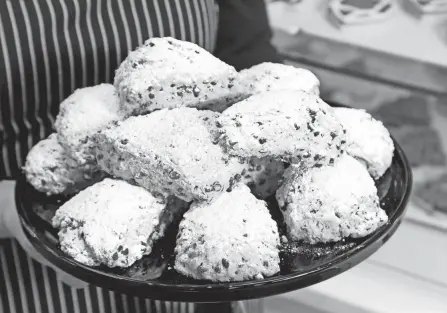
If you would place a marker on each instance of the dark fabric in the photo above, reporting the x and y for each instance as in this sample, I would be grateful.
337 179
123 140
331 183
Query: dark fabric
244 34
50 48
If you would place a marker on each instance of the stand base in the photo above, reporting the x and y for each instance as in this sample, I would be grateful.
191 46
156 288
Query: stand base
250 306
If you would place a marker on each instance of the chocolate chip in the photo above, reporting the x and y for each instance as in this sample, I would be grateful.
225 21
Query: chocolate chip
217 187
259 123
331 161
151 96
179 93
172 85
244 220
115 256
150 88
333 135
238 124
196 91
245 235
316 134
296 126
225 263
230 86
238 177
125 251
120 248
262 141
174 175
218 125
197 52
266 263
213 83
318 165
151 44
217 269
143 243
124 141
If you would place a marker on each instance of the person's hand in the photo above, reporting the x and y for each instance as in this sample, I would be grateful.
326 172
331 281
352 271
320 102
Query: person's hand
10 227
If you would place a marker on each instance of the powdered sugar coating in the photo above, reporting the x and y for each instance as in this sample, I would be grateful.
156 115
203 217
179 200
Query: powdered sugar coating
170 152
367 140
112 223
292 126
329 203
263 176
274 76
234 238
49 169
169 73
84 113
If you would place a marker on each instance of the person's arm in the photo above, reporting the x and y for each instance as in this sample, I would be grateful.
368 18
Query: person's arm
244 34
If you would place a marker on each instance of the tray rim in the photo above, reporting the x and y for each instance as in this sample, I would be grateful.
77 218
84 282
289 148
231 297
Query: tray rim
231 291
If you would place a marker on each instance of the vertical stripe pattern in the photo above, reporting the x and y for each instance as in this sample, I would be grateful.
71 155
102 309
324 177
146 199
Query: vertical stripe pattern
50 48
28 286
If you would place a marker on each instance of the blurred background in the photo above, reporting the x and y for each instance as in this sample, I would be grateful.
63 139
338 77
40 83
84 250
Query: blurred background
389 57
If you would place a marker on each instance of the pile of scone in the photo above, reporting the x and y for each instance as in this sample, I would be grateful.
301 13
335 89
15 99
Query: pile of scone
182 137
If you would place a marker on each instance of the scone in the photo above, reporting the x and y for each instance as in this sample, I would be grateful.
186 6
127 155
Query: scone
113 223
81 115
169 152
330 203
169 73
234 238
290 126
274 76
263 176
367 140
50 170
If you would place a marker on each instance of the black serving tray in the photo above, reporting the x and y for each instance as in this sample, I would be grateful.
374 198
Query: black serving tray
152 277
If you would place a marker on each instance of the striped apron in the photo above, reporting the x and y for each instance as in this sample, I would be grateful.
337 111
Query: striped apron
49 48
